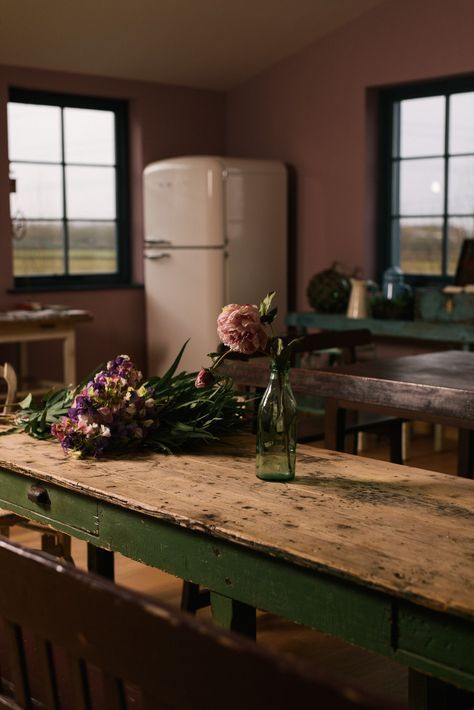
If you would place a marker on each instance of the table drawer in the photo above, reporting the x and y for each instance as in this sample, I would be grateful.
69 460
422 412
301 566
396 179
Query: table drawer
48 503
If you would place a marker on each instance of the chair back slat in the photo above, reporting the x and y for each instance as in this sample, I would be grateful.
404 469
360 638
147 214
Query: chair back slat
175 660
80 682
18 665
47 673
346 341
114 693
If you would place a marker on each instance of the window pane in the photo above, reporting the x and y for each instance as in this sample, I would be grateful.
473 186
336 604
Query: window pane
459 228
40 250
461 185
461 129
90 193
92 248
34 132
422 126
421 187
89 136
38 191
421 245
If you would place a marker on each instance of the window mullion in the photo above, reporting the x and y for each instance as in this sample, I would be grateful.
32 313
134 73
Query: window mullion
65 221
444 266
395 178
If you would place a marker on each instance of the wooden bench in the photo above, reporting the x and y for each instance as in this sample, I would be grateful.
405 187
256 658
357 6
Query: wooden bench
75 640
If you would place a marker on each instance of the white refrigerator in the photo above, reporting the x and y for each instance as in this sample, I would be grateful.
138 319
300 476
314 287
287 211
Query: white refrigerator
215 233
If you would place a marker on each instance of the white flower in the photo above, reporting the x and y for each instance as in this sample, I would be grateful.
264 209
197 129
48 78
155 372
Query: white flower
104 430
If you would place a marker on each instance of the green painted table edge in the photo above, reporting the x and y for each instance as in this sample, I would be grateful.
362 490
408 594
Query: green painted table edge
415 330
428 641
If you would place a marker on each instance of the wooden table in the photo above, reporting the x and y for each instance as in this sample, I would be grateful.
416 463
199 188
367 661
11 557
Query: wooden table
378 554
47 324
434 387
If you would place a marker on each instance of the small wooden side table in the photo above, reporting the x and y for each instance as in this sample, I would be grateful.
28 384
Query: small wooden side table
24 327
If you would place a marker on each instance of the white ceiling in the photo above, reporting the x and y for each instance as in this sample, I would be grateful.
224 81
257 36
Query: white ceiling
215 44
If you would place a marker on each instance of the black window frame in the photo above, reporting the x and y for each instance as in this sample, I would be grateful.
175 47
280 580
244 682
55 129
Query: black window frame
122 277
387 98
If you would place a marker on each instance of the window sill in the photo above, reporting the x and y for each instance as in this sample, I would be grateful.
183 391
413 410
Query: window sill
73 287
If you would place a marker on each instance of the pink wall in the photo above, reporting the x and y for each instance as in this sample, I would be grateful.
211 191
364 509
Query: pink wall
164 121
314 112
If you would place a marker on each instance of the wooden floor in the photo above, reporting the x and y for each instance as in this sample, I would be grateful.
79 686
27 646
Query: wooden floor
381 676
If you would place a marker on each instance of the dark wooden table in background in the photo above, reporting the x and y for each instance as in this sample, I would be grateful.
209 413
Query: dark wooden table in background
433 387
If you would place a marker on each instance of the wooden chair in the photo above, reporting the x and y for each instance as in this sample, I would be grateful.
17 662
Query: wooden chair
343 347
53 542
74 640
349 343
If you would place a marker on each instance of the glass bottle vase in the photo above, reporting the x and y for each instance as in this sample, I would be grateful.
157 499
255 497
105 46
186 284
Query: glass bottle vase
276 428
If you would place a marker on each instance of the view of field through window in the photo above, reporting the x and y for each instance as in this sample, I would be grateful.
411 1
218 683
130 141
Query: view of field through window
63 210
433 181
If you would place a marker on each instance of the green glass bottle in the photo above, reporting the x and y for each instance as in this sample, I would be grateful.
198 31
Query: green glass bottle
276 428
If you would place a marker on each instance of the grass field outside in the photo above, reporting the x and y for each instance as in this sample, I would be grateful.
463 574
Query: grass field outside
31 262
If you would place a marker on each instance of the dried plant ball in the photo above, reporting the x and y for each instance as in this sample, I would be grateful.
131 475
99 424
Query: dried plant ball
329 291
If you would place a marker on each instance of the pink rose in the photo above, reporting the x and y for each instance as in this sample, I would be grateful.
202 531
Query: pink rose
204 378
239 328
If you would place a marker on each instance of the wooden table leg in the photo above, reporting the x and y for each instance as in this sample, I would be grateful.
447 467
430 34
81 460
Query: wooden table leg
100 561
429 693
334 426
57 544
233 615
193 597
69 358
466 453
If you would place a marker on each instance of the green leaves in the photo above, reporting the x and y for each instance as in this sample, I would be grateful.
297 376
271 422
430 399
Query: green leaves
36 419
267 313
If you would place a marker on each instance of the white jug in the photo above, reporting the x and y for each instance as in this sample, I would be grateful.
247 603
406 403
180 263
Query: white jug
358 306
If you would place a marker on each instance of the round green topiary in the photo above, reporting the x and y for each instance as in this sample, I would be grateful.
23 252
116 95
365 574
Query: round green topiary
328 291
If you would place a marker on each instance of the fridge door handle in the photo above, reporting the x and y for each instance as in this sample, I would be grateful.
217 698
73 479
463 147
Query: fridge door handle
156 257
151 242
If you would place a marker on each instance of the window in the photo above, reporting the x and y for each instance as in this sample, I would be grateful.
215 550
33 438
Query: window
428 202
69 208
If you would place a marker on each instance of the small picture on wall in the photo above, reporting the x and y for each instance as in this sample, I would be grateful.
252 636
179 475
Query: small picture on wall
465 268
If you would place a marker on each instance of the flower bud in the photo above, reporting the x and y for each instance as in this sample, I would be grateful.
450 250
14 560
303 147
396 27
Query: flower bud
204 378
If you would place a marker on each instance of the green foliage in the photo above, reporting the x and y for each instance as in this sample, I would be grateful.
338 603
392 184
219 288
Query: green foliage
37 419
188 415
267 313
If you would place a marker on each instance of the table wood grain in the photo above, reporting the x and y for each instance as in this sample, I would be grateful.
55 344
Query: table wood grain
402 530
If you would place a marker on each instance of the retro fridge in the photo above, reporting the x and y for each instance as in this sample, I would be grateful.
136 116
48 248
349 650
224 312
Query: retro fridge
215 233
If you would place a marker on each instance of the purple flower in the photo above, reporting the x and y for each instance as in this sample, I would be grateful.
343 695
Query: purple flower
109 413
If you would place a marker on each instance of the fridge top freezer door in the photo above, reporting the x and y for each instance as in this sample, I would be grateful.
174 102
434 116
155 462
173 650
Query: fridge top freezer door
184 203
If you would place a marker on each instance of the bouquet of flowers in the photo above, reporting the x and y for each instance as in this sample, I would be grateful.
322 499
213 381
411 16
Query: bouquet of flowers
116 410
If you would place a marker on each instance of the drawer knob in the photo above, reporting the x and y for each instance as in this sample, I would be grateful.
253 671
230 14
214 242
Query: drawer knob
39 494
